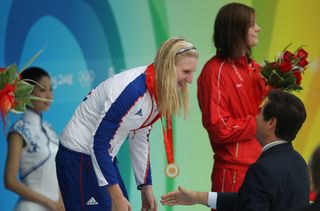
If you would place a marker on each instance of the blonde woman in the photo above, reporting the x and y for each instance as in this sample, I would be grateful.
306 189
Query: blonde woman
125 105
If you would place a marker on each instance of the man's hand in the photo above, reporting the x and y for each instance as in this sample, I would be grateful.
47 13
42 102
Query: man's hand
148 200
184 197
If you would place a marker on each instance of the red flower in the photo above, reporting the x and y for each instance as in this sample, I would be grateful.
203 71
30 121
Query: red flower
303 62
2 69
7 98
302 53
287 56
6 103
298 76
285 66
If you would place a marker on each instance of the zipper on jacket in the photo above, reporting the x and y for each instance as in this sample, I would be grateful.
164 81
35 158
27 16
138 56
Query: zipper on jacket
223 179
237 149
234 180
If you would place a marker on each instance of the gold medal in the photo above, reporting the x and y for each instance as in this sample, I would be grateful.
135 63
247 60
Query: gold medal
172 170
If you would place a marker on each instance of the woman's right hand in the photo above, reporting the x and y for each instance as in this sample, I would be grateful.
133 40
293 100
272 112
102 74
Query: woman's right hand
121 204
55 205
118 201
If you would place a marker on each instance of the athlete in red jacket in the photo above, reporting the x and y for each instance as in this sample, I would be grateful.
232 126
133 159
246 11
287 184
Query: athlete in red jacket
230 91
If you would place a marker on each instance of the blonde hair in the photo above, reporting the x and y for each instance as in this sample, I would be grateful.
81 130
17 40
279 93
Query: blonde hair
169 53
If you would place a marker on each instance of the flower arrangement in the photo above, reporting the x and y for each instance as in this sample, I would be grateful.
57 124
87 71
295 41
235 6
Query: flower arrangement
286 71
15 93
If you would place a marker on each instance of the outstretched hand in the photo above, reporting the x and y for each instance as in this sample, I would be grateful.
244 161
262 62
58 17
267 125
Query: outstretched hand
179 197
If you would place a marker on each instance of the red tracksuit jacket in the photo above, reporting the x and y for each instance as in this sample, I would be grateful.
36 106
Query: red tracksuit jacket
229 95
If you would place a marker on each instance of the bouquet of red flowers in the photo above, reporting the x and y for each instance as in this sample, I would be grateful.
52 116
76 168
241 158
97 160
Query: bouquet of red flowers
15 94
286 71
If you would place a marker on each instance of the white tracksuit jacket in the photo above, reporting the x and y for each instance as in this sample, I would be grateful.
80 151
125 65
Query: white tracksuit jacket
119 107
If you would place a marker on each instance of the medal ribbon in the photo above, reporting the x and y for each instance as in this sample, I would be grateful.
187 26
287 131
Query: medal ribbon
167 134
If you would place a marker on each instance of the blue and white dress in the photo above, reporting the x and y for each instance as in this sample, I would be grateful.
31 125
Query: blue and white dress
37 163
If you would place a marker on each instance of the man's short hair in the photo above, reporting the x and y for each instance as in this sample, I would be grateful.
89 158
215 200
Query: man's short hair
289 112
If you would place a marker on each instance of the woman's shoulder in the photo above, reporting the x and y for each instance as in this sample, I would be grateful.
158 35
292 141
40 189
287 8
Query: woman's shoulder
216 66
214 60
117 83
20 125
22 128
129 74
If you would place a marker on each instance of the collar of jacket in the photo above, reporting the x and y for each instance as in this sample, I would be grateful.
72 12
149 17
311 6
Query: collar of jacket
278 148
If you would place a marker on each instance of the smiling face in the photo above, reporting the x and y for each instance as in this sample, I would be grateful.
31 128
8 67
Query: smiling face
253 31
185 67
43 91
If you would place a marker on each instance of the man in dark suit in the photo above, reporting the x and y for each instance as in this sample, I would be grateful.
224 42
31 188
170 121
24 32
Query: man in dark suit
279 179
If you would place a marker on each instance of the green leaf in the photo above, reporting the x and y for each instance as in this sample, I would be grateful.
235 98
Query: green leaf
19 108
32 97
11 73
294 87
291 80
24 101
2 79
287 47
29 103
32 59
274 79
23 88
265 73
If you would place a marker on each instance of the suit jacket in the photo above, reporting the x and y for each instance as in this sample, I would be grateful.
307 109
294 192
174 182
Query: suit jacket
277 181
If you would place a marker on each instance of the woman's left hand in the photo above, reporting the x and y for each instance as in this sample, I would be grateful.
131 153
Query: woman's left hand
149 202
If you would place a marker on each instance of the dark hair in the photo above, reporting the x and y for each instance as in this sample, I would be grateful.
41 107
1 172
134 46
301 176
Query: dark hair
34 74
289 112
231 30
315 169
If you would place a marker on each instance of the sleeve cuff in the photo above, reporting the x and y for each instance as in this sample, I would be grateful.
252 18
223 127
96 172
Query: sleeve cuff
140 186
212 200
